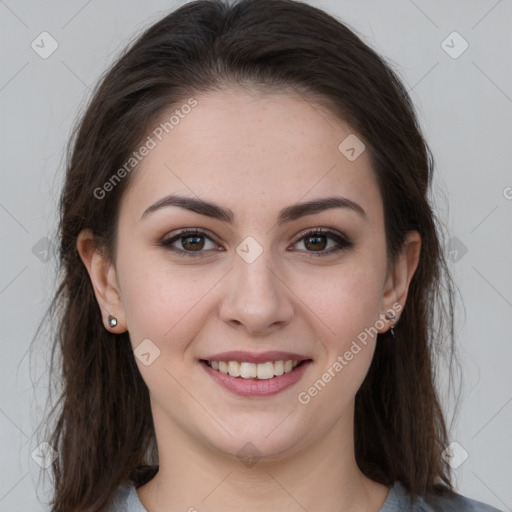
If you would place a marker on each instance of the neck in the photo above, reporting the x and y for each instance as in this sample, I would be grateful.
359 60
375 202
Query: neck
321 477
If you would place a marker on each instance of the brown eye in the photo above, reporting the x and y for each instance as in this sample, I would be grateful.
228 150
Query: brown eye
192 241
317 241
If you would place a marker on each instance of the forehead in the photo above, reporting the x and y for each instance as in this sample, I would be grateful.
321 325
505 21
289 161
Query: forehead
251 150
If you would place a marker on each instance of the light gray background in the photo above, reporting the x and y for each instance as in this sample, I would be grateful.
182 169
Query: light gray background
465 107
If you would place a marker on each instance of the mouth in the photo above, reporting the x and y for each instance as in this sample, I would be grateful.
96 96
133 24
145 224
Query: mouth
258 371
263 376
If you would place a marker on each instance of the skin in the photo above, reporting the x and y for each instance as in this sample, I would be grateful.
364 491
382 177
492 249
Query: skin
254 153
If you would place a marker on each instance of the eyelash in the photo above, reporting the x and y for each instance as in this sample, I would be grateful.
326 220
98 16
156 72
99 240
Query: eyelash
343 242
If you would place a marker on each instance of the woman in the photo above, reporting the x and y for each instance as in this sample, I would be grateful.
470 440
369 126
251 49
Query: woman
252 277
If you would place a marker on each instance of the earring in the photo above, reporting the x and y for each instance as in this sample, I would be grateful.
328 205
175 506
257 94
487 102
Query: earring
112 321
391 316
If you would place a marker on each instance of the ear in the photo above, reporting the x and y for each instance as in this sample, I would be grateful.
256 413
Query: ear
104 281
396 286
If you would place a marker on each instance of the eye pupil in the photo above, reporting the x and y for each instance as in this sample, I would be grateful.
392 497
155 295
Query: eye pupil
193 246
322 238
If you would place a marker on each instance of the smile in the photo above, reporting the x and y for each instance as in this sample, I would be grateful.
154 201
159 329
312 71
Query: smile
246 370
256 380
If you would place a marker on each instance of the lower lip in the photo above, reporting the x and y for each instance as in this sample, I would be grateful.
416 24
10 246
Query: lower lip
257 387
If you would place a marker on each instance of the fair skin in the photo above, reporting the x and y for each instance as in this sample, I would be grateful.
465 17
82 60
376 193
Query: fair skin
254 154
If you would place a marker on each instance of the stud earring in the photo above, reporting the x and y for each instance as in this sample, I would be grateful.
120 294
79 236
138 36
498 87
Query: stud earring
391 316
112 321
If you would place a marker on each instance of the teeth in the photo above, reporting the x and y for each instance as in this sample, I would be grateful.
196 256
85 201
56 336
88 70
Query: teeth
234 368
248 370
265 370
278 368
245 370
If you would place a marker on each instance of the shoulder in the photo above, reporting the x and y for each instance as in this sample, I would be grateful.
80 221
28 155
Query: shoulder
398 500
457 503
439 503
126 500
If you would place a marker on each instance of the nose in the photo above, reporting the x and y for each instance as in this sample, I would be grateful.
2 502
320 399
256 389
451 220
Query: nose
257 299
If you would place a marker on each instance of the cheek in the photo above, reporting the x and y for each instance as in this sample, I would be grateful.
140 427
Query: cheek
161 302
348 314
345 302
344 298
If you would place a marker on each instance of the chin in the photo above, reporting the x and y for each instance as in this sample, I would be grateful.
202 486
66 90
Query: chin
261 442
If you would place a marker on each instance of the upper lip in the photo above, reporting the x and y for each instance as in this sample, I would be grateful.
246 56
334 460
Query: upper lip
252 357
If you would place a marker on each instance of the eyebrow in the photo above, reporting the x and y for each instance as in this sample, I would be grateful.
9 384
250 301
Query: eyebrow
288 214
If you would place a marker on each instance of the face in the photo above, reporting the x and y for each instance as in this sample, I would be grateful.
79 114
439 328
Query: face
257 283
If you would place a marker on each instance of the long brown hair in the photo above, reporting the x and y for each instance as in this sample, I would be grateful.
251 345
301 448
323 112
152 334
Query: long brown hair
103 430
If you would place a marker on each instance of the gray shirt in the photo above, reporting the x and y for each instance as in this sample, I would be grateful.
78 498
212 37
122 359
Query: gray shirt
398 500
